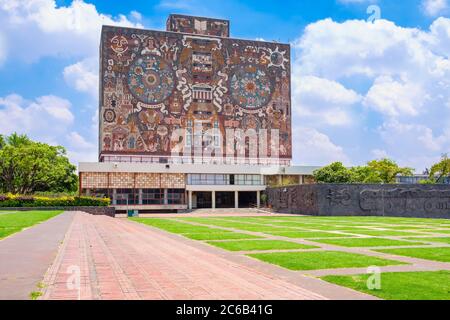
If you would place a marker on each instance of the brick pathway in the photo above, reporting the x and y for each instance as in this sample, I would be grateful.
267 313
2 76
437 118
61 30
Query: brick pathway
25 256
119 259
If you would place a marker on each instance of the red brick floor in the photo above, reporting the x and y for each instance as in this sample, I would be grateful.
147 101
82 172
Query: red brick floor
106 258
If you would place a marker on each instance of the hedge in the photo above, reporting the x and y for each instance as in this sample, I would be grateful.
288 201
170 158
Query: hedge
11 201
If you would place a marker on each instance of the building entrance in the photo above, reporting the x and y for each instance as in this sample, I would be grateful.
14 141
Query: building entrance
224 200
204 200
247 199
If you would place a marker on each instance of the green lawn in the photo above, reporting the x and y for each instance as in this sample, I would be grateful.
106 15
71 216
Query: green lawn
219 236
304 234
249 245
367 242
401 285
435 254
14 222
436 231
433 239
322 260
175 226
382 233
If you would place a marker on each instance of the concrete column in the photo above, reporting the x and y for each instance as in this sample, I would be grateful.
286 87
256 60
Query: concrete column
258 199
213 199
140 196
280 179
236 199
190 199
166 197
114 196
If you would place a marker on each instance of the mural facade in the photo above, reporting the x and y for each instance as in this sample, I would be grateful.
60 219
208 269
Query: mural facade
155 82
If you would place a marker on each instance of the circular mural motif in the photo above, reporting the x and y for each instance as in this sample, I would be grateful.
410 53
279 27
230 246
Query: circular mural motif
109 115
251 88
151 79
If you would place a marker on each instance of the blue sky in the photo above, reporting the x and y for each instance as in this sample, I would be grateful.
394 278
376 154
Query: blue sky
361 90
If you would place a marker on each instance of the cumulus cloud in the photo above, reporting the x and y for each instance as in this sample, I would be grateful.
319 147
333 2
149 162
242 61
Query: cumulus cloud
395 98
322 101
69 31
316 148
434 7
387 73
45 118
83 76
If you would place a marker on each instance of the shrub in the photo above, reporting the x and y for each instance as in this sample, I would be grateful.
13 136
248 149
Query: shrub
10 200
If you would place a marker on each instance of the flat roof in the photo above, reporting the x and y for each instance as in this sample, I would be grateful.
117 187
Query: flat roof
193 168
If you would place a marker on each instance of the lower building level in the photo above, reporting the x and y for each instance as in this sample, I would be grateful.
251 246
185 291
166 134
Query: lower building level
148 188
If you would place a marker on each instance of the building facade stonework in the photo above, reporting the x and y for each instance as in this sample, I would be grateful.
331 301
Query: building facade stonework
168 103
190 77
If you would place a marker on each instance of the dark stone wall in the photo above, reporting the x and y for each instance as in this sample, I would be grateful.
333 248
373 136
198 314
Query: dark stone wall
423 201
98 211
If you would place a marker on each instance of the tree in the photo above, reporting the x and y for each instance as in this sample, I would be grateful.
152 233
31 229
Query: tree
387 170
376 171
333 173
441 169
365 174
27 167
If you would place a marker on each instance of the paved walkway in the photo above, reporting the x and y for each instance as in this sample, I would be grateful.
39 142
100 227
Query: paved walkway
120 259
26 256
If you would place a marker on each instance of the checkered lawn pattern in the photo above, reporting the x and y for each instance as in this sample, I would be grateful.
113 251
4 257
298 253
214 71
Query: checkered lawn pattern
333 248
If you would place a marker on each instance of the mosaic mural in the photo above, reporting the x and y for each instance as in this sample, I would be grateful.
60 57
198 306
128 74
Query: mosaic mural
154 82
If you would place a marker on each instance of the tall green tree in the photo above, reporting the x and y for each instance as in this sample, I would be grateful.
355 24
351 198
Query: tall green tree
440 170
27 167
333 173
388 170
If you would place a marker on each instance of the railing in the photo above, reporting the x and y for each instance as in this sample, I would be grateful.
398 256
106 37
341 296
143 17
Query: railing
193 160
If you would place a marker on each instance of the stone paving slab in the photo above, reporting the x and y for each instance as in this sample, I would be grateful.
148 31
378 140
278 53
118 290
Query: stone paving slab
25 256
120 259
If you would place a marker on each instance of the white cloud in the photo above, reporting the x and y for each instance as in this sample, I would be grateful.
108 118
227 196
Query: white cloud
72 31
44 119
83 76
434 7
379 154
407 136
394 98
322 101
79 142
80 149
3 49
315 148
395 74
137 16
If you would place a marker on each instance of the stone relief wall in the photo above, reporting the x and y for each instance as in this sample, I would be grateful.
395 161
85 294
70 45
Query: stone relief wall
432 201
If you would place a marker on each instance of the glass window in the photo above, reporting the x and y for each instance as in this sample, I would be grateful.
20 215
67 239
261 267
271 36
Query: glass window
127 197
175 196
152 196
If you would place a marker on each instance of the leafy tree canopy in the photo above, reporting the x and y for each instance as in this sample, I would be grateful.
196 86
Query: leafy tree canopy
27 167
333 173
441 169
376 171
